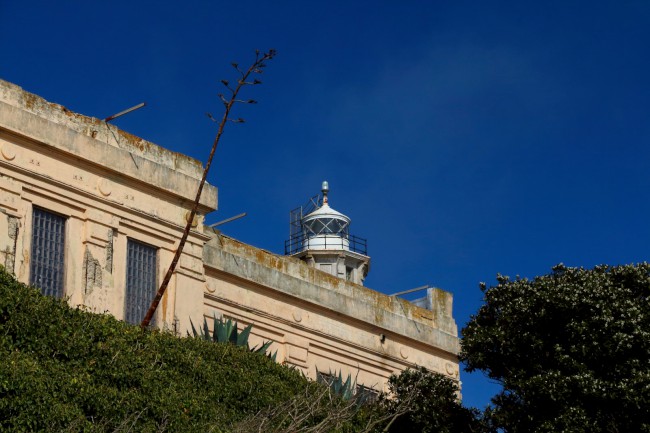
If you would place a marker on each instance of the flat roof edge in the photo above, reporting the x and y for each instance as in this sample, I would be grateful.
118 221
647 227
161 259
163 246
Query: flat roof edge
292 278
15 119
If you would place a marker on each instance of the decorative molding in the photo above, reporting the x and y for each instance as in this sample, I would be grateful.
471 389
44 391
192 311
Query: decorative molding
8 152
104 187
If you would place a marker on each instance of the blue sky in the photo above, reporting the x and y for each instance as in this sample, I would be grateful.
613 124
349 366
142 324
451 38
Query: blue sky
464 139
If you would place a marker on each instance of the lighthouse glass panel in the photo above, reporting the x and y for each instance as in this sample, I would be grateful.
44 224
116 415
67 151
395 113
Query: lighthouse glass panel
337 227
331 226
314 227
327 226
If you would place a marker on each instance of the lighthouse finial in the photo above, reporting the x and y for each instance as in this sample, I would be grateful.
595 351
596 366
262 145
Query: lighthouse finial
325 189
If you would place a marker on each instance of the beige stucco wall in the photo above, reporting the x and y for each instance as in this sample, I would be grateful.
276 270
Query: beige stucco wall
319 321
112 186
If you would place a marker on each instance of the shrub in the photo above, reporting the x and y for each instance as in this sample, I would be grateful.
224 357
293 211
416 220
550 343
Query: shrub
64 368
424 401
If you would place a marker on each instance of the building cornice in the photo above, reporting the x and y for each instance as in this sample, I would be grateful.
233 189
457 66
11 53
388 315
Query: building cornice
92 140
294 278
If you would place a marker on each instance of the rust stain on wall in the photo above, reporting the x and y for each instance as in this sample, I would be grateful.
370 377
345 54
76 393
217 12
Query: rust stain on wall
109 252
92 272
164 305
10 254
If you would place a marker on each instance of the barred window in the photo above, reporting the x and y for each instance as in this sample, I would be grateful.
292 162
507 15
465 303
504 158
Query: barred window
325 378
140 280
47 258
366 394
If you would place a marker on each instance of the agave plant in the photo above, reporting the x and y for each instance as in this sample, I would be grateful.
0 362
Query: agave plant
347 389
344 388
225 331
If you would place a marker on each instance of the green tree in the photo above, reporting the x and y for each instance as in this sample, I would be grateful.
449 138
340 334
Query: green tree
571 350
427 402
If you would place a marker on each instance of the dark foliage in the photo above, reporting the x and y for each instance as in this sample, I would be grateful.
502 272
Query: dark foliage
433 405
571 349
63 369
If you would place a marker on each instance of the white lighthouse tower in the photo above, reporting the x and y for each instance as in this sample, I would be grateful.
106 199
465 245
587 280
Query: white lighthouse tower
320 236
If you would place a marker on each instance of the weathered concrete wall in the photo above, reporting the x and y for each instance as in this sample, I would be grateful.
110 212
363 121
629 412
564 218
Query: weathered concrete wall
110 186
94 128
100 144
320 321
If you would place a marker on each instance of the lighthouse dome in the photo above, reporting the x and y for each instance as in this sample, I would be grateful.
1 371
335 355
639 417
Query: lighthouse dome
319 235
326 228
326 220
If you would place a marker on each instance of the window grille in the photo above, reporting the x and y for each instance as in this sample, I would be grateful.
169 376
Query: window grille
366 394
325 377
140 280
47 258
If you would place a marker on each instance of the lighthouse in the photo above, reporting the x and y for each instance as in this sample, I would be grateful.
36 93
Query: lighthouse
320 236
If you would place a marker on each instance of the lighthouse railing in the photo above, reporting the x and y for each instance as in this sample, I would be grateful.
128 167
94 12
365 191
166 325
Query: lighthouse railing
301 242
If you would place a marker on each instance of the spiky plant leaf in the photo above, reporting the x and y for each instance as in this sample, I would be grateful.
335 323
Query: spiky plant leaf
344 388
222 331
263 348
242 338
225 331
206 330
232 331
347 388
215 326
195 334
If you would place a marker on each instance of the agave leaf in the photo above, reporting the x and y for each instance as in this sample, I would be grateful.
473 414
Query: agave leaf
337 382
230 329
225 331
242 339
206 330
232 332
347 388
193 330
348 382
343 388
222 332
263 348
340 382
215 326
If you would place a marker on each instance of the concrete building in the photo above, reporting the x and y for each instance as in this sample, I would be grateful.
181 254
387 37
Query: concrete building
94 214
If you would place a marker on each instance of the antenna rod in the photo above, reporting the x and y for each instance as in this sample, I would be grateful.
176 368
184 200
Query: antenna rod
227 220
122 113
417 289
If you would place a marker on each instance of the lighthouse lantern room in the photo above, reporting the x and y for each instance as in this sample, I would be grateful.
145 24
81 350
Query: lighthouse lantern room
319 235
